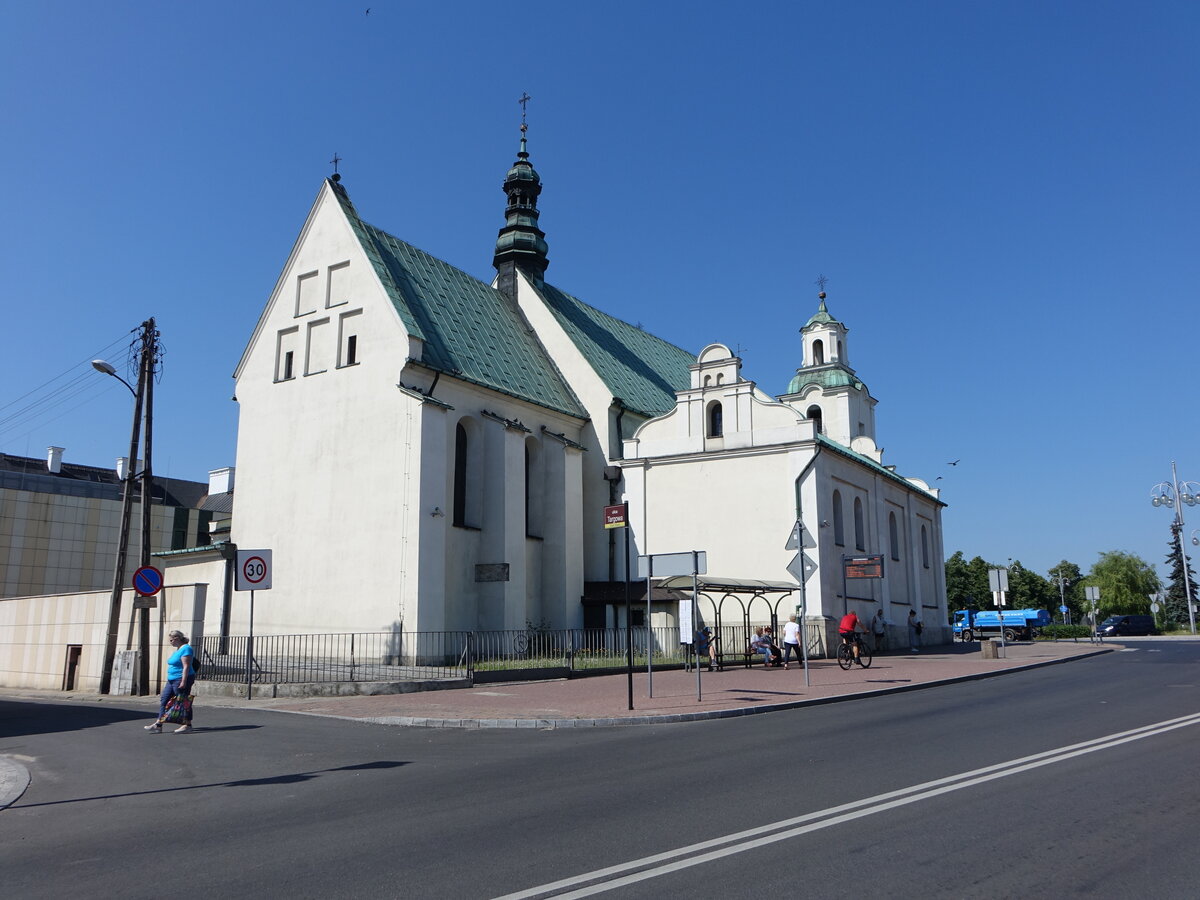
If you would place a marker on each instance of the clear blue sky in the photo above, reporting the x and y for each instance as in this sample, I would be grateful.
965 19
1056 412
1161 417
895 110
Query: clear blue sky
1003 196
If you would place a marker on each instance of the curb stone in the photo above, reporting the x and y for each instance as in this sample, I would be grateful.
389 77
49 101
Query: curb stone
14 779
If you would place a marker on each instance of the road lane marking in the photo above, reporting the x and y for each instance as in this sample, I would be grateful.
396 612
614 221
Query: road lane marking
707 851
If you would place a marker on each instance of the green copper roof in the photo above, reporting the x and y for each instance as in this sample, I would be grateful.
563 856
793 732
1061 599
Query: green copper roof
822 317
641 370
832 377
469 330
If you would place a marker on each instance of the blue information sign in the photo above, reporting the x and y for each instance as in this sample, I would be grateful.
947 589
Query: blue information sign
147 581
1062 609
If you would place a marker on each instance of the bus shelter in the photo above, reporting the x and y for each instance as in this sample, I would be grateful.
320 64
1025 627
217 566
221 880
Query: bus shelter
731 605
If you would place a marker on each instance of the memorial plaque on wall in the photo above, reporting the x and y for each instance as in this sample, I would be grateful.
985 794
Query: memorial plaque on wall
491 572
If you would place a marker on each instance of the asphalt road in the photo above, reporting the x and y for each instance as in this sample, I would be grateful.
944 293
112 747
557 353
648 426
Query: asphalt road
870 793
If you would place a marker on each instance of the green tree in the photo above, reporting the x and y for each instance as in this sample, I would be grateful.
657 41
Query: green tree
1126 582
1069 576
1028 590
967 583
1175 612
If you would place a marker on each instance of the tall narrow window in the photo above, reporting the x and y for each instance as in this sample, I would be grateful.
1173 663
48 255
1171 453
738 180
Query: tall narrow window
716 421
814 413
839 528
352 349
460 475
924 547
289 360
535 482
893 536
860 538
818 353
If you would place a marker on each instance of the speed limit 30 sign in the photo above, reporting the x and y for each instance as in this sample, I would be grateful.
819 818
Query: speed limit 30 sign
253 570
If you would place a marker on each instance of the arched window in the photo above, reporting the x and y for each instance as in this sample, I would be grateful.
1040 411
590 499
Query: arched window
839 528
814 413
720 378
460 475
818 353
860 538
716 421
924 547
467 502
893 536
707 380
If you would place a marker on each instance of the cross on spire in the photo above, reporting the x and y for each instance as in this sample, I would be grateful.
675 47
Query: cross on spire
525 98
336 159
821 282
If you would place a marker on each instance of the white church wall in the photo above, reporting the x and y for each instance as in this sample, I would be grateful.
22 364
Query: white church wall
600 437
322 439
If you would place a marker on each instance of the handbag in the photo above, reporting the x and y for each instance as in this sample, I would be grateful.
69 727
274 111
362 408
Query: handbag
179 710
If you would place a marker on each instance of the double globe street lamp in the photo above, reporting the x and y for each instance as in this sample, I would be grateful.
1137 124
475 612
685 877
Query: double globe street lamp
1175 494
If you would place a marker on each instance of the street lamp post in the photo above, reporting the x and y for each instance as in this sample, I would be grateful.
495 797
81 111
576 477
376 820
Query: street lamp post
1175 494
142 408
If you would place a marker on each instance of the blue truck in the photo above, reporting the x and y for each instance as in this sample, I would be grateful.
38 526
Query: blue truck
1018 624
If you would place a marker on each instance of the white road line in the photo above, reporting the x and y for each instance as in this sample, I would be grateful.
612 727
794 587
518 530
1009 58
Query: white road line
673 860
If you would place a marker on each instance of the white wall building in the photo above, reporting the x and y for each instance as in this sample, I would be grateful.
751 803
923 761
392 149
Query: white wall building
422 451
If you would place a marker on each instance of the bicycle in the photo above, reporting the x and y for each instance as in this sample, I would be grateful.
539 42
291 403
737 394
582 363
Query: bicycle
845 654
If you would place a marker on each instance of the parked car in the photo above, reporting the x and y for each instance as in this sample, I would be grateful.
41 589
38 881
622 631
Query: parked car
1116 626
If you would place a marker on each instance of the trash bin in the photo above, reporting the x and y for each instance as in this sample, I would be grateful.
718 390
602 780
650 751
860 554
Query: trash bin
991 649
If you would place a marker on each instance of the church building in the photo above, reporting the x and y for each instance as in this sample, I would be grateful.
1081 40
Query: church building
422 451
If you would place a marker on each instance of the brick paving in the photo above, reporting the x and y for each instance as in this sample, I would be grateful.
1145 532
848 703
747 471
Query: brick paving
604 700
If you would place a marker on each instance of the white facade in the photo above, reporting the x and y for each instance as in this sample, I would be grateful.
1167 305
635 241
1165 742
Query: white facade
730 471
423 452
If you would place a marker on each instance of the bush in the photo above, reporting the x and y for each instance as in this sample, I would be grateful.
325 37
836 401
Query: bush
1058 632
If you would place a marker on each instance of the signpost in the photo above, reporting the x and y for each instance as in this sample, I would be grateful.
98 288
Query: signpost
800 568
669 565
617 516
998 582
147 581
253 574
1093 598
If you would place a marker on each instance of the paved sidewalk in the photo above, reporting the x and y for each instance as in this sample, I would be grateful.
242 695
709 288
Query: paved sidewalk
604 700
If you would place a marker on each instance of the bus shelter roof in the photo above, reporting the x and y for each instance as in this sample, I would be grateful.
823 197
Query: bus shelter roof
729 585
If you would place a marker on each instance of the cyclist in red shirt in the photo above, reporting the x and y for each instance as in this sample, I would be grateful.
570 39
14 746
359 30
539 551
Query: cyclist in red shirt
847 628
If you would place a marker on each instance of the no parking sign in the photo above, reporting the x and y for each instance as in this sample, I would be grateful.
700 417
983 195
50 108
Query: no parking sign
253 570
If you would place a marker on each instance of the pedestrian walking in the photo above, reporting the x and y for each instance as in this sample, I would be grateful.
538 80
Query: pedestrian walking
791 640
914 631
879 624
705 647
181 673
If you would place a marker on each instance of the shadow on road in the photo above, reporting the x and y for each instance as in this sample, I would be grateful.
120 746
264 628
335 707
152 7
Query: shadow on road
290 778
18 717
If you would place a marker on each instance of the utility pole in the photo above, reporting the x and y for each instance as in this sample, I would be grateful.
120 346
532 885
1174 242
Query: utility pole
149 362
142 400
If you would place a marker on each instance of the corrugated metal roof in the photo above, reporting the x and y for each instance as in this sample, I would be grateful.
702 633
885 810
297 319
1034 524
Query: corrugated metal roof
469 330
642 371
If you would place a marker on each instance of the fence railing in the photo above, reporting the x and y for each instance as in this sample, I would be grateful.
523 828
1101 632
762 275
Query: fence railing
321 658
429 655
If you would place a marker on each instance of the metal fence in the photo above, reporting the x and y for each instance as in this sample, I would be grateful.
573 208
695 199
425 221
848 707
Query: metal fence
322 658
393 656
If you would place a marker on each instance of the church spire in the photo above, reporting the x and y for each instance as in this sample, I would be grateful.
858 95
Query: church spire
520 244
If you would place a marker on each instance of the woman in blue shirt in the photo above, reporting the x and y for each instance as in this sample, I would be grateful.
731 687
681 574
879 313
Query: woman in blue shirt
180 674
